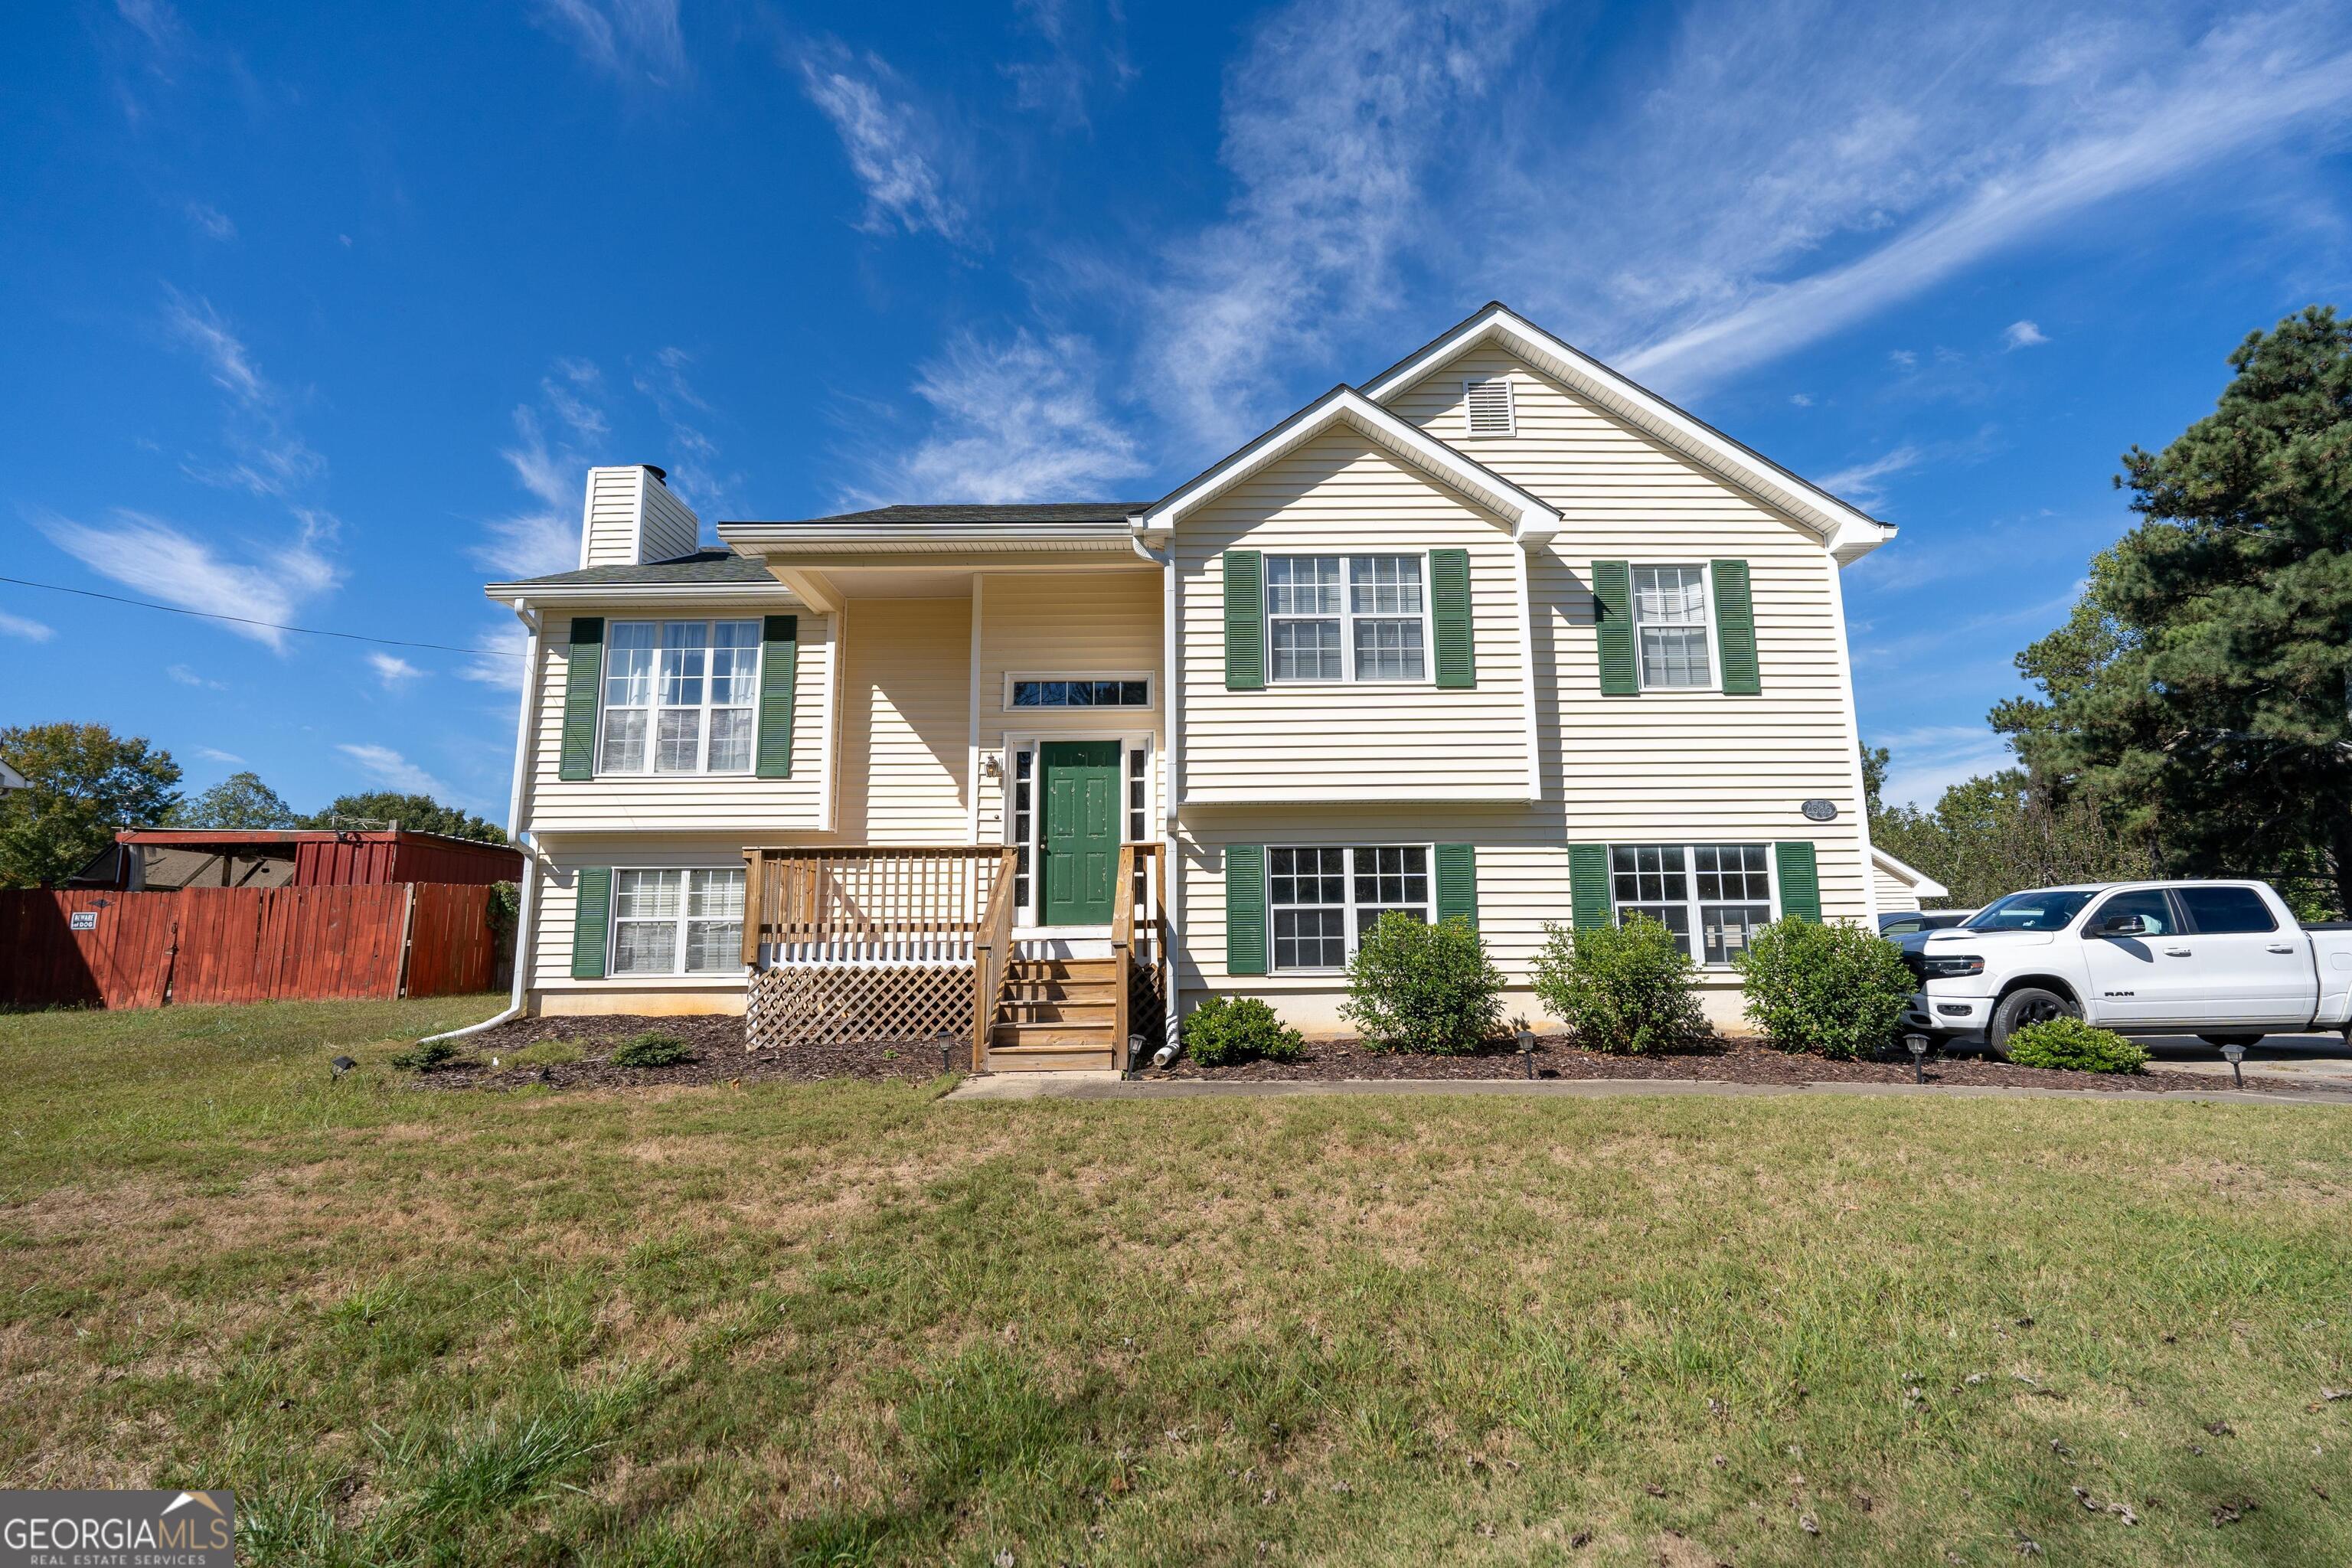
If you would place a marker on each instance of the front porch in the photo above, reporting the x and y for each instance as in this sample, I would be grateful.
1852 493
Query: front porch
918 946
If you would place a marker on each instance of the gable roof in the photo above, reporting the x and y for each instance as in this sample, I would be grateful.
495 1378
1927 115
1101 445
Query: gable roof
1849 532
1114 512
1911 876
1532 521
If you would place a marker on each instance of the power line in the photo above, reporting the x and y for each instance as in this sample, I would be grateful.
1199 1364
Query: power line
273 626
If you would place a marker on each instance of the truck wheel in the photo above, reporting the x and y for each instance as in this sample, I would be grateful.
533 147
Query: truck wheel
2218 1040
2026 1004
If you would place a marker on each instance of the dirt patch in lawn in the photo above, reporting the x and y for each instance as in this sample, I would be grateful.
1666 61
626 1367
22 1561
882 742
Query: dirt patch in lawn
719 1056
1733 1060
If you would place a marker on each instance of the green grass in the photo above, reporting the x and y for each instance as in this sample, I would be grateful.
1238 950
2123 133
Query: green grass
845 1323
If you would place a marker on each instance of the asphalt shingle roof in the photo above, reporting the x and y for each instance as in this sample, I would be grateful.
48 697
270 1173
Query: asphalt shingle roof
1033 511
702 566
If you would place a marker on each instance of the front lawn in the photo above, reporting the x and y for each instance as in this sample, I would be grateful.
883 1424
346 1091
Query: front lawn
846 1322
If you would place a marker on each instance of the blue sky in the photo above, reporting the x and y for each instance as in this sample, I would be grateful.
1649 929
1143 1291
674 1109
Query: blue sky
314 314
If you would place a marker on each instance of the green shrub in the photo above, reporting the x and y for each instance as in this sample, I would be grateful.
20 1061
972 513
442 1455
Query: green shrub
2075 1047
1835 989
1621 988
424 1056
651 1049
1225 1030
1417 987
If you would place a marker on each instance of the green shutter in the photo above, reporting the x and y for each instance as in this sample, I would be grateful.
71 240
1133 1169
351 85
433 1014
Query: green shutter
1245 622
1734 629
1612 610
1587 885
1245 909
1800 882
1458 883
582 676
780 646
590 917
1449 602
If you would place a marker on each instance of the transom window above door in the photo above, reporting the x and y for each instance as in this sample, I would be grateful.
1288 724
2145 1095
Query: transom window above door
680 697
1347 617
1077 691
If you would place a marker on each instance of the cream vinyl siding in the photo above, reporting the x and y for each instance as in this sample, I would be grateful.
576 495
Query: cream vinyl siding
1347 740
1667 767
1067 623
669 802
906 721
1896 896
669 530
557 903
611 536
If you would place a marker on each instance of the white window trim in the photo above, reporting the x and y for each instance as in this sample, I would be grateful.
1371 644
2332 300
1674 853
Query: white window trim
613 927
1707 617
1026 915
1689 846
1510 407
654 705
1151 689
1349 848
1348 621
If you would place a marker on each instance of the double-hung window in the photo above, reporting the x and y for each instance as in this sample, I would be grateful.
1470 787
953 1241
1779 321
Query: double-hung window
1347 617
1671 625
1721 893
677 921
1323 898
680 697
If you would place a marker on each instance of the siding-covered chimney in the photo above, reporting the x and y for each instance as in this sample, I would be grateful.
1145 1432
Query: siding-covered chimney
631 518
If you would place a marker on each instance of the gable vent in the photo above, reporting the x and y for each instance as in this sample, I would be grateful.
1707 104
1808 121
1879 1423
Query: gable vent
1490 401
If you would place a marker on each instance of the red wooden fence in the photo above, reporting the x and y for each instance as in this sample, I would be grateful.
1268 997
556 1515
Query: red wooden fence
244 944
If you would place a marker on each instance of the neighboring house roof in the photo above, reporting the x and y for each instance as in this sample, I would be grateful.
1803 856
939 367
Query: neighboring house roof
1116 511
1532 521
1850 532
702 566
11 779
1911 876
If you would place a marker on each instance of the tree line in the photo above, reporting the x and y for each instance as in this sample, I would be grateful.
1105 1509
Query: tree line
2193 716
85 782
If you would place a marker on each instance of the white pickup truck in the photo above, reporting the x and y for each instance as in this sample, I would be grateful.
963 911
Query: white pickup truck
2225 960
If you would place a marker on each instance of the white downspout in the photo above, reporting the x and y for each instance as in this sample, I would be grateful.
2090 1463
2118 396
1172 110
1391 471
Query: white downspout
1171 708
526 912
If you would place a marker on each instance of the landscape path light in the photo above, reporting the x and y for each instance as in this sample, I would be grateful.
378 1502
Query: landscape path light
1527 1038
2236 1052
1917 1045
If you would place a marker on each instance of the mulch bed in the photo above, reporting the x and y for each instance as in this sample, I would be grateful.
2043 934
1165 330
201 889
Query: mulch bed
1730 1061
719 1056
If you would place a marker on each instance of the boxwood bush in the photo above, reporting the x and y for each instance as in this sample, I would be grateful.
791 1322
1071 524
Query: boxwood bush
1417 987
1835 989
1621 988
651 1049
2074 1046
1226 1030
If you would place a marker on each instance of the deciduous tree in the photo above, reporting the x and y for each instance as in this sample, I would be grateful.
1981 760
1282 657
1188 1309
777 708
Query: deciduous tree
87 781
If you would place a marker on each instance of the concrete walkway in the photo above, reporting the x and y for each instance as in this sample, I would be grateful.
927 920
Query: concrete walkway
1011 1086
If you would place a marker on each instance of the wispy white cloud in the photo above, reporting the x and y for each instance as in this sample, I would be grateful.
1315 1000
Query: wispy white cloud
389 768
212 754
2022 335
1924 761
194 322
271 458
259 583
1019 419
31 631
210 221
1080 51
392 670
894 145
1862 483
186 677
491 669
546 538
692 461
634 41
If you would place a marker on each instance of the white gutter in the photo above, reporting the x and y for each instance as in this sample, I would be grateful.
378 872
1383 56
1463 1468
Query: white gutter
524 913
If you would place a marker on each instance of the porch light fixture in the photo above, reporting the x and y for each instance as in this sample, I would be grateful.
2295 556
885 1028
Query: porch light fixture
1917 1045
2236 1052
993 763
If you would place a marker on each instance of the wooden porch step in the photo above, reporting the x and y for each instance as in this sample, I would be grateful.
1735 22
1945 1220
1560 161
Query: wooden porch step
1094 1011
1049 1059
1049 1032
1061 968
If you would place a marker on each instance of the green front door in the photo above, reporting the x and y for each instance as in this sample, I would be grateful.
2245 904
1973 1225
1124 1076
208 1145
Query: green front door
1080 789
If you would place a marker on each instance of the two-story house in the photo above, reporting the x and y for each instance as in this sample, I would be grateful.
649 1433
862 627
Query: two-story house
1496 633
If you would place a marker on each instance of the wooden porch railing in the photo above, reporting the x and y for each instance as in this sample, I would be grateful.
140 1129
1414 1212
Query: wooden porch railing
871 904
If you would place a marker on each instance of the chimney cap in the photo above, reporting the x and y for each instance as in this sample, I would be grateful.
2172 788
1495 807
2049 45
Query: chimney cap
661 474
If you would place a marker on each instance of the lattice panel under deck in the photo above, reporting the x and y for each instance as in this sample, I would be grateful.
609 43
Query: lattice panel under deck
797 1005
1147 1009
